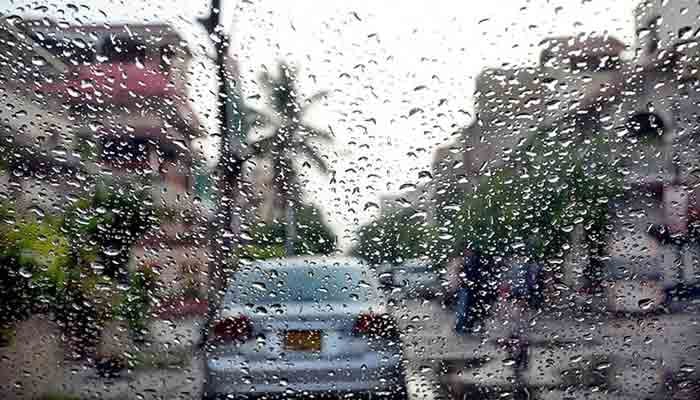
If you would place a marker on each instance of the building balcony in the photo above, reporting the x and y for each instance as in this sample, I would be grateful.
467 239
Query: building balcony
114 83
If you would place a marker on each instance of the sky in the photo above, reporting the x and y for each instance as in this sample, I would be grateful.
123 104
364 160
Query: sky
400 74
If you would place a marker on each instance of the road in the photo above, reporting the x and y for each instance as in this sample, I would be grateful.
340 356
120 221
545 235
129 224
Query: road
600 356
617 358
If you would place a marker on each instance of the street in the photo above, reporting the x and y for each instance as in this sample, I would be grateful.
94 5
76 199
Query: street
623 357
620 358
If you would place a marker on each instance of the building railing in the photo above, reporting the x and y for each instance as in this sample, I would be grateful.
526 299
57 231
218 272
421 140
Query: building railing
114 83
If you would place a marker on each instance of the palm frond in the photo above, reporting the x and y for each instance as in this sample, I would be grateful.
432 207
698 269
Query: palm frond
286 75
264 147
314 155
314 99
292 140
315 133
256 117
281 90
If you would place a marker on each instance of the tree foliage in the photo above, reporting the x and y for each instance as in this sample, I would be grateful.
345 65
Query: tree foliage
39 248
266 240
66 265
106 226
399 236
533 206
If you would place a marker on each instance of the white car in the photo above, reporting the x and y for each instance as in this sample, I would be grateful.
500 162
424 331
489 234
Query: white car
304 326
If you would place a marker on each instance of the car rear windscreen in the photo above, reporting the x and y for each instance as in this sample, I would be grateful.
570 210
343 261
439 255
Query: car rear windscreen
256 285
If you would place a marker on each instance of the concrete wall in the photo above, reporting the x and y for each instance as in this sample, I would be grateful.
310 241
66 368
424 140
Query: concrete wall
32 365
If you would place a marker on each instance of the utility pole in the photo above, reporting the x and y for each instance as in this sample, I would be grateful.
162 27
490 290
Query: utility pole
290 229
228 170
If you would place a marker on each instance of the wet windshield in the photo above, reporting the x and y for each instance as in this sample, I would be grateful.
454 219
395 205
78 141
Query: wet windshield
460 199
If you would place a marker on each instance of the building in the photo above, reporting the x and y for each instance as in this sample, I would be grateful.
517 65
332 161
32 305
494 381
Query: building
645 111
106 105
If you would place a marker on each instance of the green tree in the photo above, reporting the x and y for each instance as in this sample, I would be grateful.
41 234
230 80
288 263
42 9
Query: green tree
106 226
40 249
532 205
52 263
136 305
398 236
102 230
291 143
36 264
266 240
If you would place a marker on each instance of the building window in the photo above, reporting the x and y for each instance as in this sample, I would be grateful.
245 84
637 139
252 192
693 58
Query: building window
122 49
125 152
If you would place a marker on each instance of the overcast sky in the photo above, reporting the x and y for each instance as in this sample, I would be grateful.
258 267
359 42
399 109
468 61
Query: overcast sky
379 59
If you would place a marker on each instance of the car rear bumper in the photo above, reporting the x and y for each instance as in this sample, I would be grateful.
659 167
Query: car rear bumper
366 374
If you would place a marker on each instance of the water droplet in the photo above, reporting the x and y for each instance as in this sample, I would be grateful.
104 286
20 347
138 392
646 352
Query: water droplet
38 61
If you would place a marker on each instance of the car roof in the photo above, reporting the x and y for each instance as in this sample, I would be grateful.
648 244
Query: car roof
415 263
310 262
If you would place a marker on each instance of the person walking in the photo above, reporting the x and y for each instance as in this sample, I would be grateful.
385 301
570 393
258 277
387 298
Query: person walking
469 281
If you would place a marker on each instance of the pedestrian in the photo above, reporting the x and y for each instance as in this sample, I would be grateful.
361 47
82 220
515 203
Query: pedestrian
469 283
535 284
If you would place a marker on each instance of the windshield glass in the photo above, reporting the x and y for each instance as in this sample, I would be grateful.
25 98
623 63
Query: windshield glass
308 199
288 284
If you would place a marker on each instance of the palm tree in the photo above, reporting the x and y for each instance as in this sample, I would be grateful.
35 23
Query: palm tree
291 141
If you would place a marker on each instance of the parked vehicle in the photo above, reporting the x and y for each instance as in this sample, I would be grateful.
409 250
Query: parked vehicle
416 279
304 326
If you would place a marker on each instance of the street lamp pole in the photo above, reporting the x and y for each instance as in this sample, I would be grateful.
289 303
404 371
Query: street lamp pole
229 166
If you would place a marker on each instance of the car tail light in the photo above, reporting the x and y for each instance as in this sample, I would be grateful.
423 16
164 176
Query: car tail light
504 291
375 325
234 329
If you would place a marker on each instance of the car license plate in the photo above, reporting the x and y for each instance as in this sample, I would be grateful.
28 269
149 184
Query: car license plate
303 340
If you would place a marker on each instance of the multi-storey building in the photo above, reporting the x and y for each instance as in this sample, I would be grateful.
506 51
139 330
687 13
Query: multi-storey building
644 108
107 105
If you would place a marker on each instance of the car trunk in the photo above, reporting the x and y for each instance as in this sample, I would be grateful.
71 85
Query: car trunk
303 330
